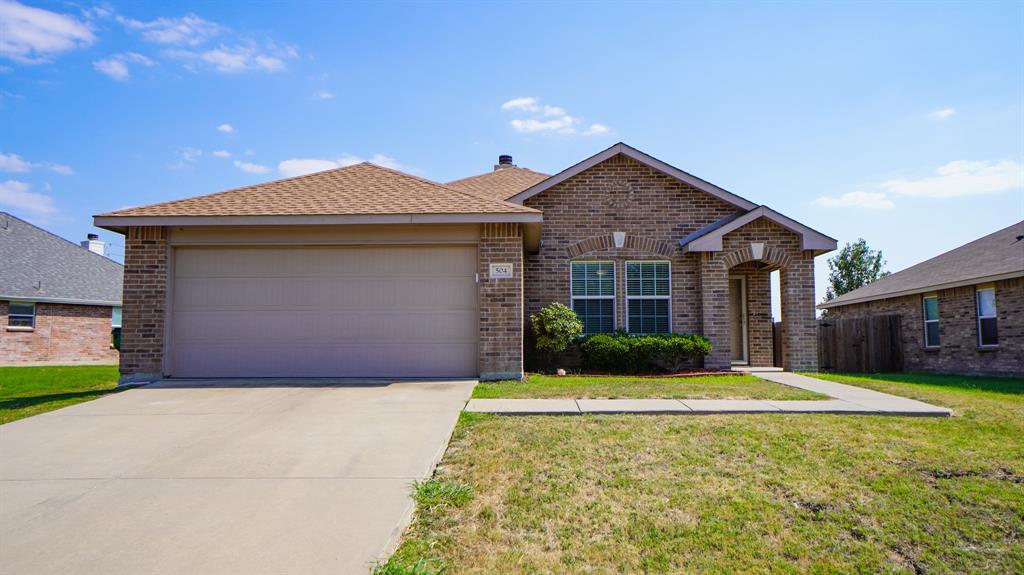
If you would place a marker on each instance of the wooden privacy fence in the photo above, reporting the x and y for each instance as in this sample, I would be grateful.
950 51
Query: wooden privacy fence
860 344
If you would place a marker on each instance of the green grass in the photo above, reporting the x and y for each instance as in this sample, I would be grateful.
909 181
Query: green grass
593 387
27 391
764 493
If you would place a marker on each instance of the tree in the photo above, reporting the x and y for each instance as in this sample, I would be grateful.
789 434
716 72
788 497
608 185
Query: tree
856 265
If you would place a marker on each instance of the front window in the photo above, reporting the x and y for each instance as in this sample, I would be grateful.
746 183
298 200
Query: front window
648 295
987 333
931 321
115 317
593 295
21 314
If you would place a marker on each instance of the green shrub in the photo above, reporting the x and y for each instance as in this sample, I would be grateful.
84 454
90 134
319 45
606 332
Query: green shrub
625 353
556 326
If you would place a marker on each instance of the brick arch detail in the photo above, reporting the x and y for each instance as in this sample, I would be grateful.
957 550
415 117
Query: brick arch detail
633 242
772 255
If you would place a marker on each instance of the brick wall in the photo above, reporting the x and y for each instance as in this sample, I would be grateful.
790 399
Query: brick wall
759 312
501 303
655 211
958 330
143 303
63 333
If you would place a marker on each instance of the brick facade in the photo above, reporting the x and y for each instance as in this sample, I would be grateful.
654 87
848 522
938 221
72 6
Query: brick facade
958 330
655 211
501 302
143 303
63 334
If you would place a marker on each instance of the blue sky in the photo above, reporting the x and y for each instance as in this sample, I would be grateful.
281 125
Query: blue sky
899 123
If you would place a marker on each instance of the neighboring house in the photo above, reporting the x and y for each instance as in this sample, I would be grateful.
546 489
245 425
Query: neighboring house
58 301
367 271
961 312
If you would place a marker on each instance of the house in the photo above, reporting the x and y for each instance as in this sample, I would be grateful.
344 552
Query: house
960 312
366 271
58 301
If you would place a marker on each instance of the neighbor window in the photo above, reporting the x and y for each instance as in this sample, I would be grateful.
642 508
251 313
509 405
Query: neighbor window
987 334
593 295
21 314
931 321
115 317
648 294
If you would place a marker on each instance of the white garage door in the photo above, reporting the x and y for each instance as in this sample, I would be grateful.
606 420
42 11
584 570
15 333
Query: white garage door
324 312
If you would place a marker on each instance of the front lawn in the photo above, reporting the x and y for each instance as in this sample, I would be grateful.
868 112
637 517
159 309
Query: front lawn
594 387
27 391
785 493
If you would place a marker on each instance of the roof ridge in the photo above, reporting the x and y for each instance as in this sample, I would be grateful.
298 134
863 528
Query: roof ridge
492 172
61 238
445 187
239 188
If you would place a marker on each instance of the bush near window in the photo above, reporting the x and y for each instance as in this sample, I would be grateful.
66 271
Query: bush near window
621 352
556 326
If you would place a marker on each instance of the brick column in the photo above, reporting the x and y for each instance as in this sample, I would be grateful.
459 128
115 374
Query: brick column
714 280
143 304
759 318
501 303
799 326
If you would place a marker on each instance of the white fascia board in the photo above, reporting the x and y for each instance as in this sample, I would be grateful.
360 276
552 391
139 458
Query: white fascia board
37 299
643 158
121 222
810 239
925 289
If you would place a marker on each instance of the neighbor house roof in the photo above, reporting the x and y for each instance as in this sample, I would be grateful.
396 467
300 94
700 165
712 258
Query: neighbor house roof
643 158
501 184
997 256
709 238
362 193
36 265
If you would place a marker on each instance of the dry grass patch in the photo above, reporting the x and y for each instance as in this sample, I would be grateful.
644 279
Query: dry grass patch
788 493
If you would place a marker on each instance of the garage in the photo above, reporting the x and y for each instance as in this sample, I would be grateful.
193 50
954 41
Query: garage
324 311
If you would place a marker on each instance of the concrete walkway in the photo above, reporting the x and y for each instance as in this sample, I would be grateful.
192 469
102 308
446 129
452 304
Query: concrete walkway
846 399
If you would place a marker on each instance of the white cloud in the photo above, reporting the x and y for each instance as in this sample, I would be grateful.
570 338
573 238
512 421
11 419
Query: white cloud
17 164
116 66
186 158
189 30
961 178
251 168
868 200
236 58
521 104
18 196
323 95
31 35
545 119
301 166
943 113
14 163
221 154
226 128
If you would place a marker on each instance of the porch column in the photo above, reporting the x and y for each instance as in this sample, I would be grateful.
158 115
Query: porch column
714 279
799 326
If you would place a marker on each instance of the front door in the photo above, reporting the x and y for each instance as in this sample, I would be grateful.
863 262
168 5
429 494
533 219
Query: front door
738 319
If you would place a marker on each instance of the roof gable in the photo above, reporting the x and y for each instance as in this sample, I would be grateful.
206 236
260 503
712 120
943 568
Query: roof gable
999 255
643 158
709 238
36 265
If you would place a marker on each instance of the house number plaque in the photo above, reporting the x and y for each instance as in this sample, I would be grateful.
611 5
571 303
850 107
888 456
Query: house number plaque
499 271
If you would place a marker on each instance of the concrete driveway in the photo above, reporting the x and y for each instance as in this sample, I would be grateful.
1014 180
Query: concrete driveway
220 477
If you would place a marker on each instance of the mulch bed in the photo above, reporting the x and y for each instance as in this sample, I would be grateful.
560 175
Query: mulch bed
685 373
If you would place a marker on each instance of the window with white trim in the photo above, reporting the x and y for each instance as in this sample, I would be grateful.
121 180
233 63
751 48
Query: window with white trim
987 332
21 314
115 317
931 320
648 296
593 295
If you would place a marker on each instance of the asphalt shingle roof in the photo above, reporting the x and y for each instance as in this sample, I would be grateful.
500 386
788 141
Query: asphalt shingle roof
362 189
997 254
36 265
500 184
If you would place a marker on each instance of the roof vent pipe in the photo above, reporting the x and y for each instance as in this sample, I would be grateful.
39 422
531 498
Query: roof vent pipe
93 244
504 161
